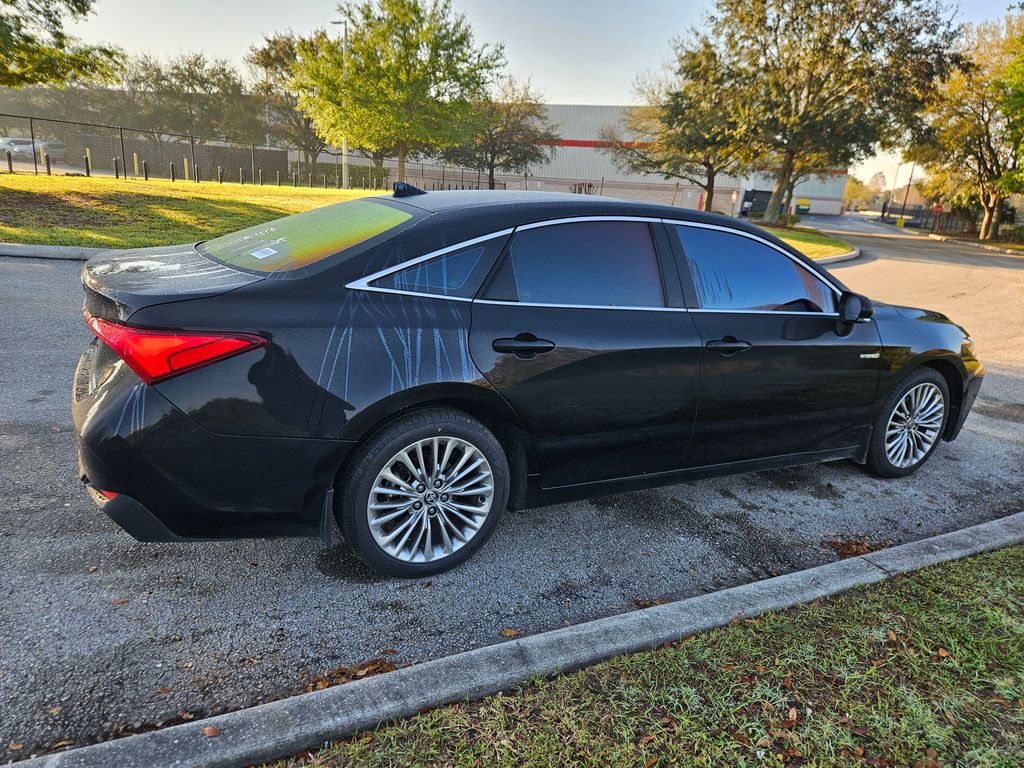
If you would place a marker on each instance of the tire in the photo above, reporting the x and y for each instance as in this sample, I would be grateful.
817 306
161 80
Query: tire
430 533
921 439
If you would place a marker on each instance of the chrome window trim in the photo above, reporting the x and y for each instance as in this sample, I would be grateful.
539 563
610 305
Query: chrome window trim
363 283
499 303
756 238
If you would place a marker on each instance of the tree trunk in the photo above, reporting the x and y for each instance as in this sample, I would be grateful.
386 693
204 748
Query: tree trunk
490 177
785 172
992 203
789 199
400 172
709 189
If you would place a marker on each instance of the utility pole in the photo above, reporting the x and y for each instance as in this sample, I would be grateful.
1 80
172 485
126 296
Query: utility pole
344 75
903 210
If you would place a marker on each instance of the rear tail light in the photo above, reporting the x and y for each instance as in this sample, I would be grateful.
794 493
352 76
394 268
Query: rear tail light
159 355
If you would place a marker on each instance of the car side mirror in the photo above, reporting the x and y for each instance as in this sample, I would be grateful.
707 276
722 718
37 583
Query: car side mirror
854 308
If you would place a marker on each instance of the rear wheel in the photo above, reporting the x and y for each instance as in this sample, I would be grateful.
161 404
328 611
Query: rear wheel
424 493
910 425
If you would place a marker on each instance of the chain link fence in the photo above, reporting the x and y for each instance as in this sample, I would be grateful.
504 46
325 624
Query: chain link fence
62 147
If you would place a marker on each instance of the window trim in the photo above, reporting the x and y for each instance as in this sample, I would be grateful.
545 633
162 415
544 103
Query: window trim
363 283
676 241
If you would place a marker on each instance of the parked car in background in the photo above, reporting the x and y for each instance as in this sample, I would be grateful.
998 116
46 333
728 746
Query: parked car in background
412 366
19 148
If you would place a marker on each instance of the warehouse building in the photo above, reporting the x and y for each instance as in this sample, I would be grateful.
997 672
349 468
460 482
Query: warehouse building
582 164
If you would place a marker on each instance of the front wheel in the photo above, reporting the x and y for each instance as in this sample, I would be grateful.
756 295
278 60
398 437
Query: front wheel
910 425
424 493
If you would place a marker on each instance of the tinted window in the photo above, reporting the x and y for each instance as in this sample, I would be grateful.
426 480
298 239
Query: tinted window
735 272
600 263
458 273
304 238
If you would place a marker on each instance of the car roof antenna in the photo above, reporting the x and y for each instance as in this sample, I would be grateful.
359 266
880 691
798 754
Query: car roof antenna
406 190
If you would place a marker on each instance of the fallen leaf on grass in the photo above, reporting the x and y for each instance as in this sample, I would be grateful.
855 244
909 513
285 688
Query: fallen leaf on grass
120 602
890 634
764 741
210 730
509 632
14 746
650 762
943 653
648 738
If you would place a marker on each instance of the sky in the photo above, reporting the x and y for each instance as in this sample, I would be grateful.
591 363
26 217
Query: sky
572 51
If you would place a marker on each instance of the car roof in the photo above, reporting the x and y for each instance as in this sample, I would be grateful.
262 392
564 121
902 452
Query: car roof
492 210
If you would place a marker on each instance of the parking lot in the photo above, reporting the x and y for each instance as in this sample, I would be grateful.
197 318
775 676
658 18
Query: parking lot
102 635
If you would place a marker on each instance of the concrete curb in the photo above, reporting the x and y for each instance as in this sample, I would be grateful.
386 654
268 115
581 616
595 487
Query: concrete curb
62 252
972 244
281 728
848 256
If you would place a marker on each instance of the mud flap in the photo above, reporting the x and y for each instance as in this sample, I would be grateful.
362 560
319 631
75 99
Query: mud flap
327 519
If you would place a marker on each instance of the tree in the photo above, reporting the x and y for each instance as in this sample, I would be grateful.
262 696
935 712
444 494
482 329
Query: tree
688 127
970 136
273 64
833 78
857 193
511 132
877 184
34 48
188 94
414 73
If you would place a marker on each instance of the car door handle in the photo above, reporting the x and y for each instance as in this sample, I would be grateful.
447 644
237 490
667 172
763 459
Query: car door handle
728 346
524 345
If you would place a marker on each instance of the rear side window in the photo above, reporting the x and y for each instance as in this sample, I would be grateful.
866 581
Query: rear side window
732 272
594 263
305 238
458 273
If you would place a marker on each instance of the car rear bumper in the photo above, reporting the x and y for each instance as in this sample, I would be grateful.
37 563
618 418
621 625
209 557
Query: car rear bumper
162 477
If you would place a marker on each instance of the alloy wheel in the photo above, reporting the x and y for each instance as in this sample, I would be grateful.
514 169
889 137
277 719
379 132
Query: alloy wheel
430 499
914 425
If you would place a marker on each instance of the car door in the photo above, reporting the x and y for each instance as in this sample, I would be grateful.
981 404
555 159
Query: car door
779 374
579 331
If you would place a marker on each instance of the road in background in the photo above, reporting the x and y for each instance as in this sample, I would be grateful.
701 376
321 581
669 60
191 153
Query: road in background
100 633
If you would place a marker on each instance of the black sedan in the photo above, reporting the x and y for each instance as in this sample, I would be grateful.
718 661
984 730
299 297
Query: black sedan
412 366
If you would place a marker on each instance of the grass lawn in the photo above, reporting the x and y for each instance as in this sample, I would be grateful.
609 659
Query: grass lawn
923 671
131 213
811 242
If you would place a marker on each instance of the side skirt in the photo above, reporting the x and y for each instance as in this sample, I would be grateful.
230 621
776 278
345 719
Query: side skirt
538 496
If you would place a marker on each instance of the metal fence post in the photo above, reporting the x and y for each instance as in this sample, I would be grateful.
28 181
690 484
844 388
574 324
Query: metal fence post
117 170
310 179
46 160
32 136
261 177
220 174
195 171
241 175
171 168
278 175
145 170
252 159
192 154
88 163
120 133
10 165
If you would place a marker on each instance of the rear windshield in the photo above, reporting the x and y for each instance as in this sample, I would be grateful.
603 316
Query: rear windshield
305 238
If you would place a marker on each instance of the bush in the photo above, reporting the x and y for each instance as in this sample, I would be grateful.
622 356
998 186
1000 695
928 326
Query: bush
1012 234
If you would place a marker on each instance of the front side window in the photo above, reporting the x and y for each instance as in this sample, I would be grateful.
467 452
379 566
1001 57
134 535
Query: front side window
732 272
594 263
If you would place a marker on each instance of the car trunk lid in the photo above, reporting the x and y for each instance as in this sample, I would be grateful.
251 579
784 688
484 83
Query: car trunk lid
118 283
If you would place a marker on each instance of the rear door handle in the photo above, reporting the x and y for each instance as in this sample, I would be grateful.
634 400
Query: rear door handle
524 345
728 346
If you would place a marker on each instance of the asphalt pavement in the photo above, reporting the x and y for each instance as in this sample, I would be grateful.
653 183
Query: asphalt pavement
101 635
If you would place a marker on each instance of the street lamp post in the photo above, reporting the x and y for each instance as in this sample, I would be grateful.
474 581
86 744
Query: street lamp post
344 73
